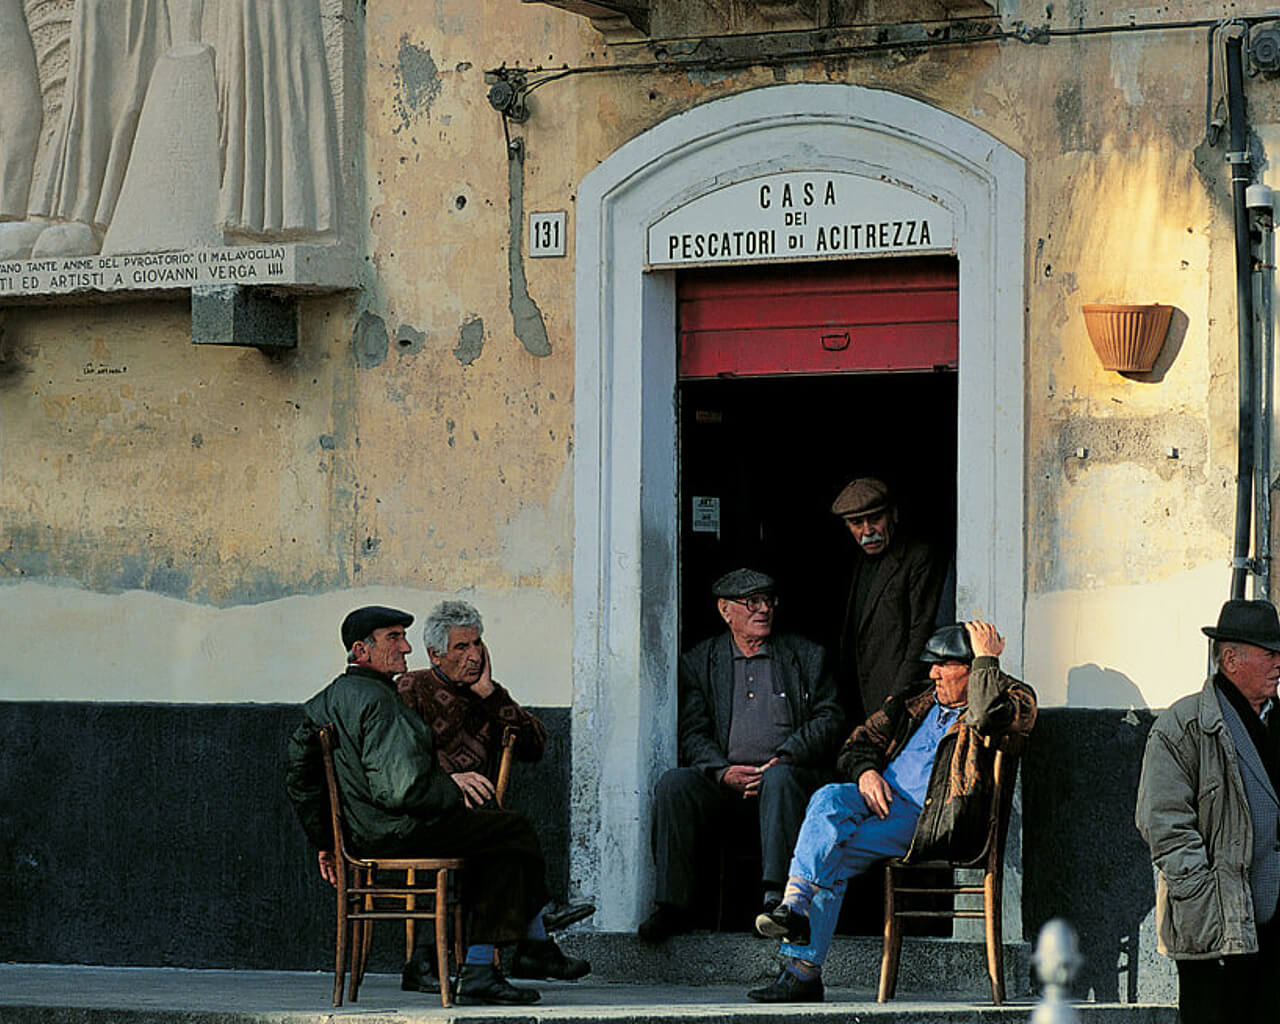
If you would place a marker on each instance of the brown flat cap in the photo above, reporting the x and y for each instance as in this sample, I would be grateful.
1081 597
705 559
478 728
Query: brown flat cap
862 495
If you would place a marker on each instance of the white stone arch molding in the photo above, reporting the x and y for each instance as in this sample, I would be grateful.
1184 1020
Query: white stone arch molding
626 517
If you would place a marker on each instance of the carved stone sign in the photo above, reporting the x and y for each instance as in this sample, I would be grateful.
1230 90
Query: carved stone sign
168 143
791 216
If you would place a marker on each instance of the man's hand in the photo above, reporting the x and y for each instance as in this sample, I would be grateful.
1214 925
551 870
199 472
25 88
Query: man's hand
476 788
743 779
483 686
876 792
984 638
328 867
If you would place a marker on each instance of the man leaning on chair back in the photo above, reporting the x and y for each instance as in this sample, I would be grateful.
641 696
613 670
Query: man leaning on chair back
397 801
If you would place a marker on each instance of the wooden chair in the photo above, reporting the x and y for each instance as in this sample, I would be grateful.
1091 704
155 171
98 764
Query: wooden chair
363 896
990 860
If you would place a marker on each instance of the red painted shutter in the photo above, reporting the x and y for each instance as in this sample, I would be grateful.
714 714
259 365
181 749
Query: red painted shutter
839 317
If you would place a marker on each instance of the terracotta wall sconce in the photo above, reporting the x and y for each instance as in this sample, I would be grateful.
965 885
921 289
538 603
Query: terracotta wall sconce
1127 337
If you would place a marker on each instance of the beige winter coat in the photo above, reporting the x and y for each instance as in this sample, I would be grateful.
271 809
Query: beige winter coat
1193 812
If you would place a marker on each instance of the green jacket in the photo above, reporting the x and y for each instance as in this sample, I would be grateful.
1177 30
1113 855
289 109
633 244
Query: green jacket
384 758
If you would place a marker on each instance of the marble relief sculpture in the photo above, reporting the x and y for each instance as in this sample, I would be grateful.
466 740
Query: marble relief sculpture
20 112
277 161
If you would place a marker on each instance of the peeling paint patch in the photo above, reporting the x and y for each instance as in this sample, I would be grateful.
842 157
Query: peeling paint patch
525 314
369 341
470 341
409 340
328 442
417 84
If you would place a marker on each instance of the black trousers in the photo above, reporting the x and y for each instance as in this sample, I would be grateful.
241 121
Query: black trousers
505 882
1233 989
689 808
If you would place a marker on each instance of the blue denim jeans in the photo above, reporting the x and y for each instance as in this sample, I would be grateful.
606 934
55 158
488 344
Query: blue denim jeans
841 837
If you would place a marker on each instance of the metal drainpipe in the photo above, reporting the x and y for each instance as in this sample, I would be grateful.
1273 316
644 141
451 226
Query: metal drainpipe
1238 156
1261 201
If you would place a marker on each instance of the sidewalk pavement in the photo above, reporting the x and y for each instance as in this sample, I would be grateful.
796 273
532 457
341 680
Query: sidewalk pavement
43 994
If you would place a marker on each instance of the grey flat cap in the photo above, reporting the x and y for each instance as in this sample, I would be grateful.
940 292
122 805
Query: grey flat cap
950 643
861 496
742 583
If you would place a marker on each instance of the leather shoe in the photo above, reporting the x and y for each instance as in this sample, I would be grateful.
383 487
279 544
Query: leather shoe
558 916
418 976
484 983
542 958
784 923
787 988
663 923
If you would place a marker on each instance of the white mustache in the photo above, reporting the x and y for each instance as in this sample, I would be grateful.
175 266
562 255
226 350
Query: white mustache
871 538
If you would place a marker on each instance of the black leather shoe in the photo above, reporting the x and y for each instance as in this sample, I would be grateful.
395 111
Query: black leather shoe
484 983
787 988
663 923
418 976
784 923
542 958
558 916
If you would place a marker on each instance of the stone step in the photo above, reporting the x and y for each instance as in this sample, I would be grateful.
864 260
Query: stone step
705 958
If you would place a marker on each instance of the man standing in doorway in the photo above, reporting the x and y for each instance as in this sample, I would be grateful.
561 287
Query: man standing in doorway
893 598
1208 808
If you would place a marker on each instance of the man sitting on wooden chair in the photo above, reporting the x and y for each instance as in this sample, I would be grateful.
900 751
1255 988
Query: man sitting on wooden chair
474 717
397 801
918 778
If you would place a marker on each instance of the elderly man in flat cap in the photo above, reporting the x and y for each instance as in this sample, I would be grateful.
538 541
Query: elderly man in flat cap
398 801
1209 810
758 725
916 780
893 598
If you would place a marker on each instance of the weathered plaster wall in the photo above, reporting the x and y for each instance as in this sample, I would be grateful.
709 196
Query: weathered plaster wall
416 444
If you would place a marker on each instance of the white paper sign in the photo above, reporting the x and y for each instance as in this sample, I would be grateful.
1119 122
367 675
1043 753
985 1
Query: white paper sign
820 215
706 515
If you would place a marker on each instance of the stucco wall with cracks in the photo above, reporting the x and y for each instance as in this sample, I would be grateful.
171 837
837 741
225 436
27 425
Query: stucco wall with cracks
414 445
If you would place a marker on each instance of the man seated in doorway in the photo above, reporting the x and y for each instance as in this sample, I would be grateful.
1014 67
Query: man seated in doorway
923 749
398 801
893 597
470 713
758 722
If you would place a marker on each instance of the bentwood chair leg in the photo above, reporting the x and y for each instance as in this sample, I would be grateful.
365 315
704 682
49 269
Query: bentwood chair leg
442 937
410 905
991 901
340 957
892 950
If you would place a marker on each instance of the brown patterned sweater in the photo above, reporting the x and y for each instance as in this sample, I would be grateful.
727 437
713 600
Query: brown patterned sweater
468 729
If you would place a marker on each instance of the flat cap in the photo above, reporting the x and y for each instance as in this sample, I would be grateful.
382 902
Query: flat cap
950 643
862 495
363 621
742 583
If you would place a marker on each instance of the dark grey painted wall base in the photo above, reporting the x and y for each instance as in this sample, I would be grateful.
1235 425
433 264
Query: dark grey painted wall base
159 834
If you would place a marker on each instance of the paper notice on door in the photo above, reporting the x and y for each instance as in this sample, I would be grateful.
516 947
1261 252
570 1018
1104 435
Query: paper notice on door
706 515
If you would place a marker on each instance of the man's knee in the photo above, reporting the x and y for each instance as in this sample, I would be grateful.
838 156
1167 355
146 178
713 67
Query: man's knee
677 786
828 798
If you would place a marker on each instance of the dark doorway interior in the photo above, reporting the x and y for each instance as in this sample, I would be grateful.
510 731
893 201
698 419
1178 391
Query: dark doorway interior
776 451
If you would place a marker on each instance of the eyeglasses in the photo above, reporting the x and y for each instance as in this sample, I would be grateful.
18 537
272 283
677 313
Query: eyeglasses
756 602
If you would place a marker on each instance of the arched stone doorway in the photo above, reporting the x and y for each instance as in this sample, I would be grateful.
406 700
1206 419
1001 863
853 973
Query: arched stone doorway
625 470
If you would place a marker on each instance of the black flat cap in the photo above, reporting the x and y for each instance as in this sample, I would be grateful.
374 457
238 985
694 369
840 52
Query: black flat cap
862 496
363 621
950 643
742 583
1247 622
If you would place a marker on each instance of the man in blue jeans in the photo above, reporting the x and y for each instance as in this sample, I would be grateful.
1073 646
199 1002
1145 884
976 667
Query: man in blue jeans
919 775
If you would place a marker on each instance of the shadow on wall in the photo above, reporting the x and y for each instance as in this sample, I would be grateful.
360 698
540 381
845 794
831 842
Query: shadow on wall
1178 324
1083 859
1091 686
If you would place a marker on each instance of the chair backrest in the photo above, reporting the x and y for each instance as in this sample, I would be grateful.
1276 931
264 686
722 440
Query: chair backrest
1004 778
328 740
503 781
